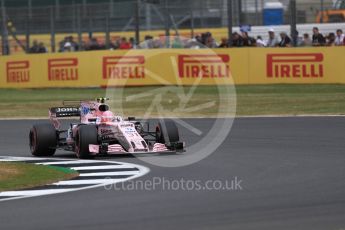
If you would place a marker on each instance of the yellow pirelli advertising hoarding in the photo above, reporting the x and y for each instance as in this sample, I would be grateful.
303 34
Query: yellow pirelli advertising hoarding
174 67
297 65
120 68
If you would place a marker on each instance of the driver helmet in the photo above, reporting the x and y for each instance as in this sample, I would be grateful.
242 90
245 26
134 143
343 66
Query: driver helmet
107 116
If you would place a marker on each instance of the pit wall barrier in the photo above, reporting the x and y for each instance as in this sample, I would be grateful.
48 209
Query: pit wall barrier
175 67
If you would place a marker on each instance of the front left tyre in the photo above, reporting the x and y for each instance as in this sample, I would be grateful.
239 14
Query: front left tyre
43 140
86 135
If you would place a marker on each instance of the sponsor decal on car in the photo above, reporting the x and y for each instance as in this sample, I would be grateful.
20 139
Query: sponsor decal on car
66 109
106 131
85 110
126 125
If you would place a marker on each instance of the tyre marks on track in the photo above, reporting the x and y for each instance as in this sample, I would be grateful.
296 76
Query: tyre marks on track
92 174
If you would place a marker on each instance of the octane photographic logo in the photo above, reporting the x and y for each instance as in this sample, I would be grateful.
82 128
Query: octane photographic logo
175 81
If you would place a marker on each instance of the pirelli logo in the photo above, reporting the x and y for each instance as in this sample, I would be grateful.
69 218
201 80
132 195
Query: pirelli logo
204 66
18 71
124 67
307 65
63 69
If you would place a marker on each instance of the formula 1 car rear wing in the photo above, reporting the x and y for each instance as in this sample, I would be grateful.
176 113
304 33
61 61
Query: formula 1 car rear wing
64 112
101 100
72 108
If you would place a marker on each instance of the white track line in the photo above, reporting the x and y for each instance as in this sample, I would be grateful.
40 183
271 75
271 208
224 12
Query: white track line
105 174
101 167
67 162
90 182
34 192
5 158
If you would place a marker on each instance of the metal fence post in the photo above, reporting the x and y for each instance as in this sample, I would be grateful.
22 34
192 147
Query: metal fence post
137 22
293 22
257 15
107 32
84 9
321 9
74 16
5 45
148 16
52 28
192 23
240 14
229 23
57 8
167 24
27 34
79 30
90 27
111 6
30 8
27 26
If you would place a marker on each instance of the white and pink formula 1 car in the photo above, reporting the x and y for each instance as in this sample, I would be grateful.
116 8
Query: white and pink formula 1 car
100 132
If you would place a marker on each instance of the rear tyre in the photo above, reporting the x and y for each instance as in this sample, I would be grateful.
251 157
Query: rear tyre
43 140
167 132
86 135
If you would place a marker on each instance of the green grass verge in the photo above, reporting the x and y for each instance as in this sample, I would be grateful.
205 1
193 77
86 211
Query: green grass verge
14 175
291 100
251 100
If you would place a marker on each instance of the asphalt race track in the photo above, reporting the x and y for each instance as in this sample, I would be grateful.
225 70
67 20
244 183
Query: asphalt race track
292 173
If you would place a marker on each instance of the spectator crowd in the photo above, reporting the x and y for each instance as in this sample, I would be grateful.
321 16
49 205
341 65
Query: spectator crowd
242 39
204 40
